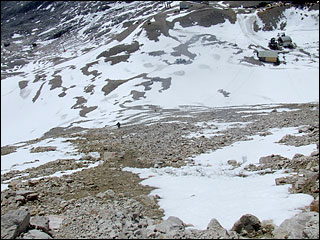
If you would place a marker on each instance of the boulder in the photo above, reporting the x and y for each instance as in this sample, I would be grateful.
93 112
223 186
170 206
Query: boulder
14 222
314 206
248 223
32 196
215 230
55 221
315 153
20 198
171 224
302 225
36 234
40 222
148 200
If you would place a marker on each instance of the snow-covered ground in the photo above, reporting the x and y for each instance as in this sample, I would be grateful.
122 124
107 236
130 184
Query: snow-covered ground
210 188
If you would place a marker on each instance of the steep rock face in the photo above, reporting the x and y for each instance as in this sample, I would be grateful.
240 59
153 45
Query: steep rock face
21 16
272 17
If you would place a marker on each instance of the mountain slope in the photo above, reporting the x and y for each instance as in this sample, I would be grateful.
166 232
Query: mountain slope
96 63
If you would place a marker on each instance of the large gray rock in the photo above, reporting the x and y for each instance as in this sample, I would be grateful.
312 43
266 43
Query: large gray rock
215 230
40 222
303 225
170 228
36 234
247 222
55 221
171 224
14 222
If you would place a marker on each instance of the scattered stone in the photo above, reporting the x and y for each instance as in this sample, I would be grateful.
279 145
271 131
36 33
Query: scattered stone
248 223
233 163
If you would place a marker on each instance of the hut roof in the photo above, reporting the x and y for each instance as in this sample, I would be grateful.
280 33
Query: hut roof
267 54
286 39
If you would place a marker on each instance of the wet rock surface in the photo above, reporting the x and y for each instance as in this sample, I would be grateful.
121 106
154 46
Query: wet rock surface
107 202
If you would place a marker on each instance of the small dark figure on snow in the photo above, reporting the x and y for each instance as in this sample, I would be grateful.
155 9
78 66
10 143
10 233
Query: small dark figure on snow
118 124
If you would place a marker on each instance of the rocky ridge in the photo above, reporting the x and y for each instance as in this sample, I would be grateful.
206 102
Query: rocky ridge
106 202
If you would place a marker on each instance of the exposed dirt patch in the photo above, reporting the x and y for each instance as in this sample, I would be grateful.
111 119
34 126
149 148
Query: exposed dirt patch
165 83
112 85
7 149
130 28
85 69
79 103
55 82
156 53
206 17
23 84
62 94
136 95
158 27
89 89
86 110
39 77
117 59
38 93
123 48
